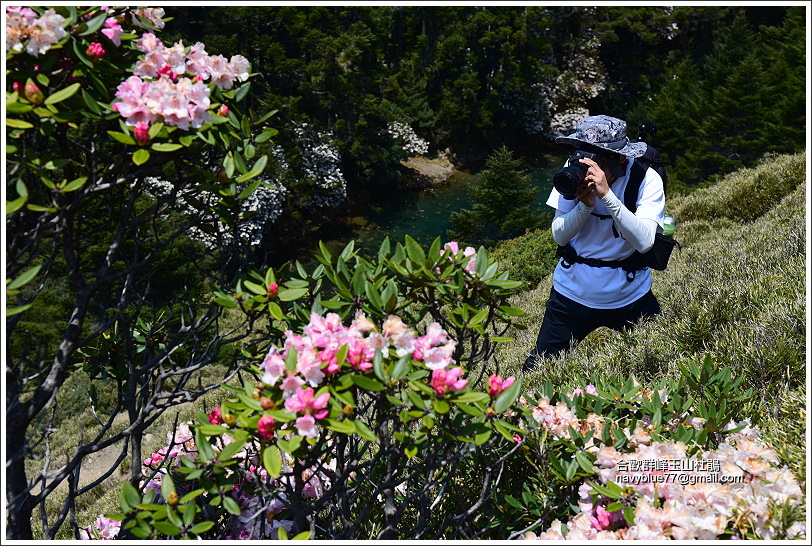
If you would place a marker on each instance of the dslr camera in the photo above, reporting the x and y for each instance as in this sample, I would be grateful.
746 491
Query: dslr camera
569 179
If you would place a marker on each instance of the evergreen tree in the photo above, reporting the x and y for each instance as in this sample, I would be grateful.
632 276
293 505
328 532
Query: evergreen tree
502 202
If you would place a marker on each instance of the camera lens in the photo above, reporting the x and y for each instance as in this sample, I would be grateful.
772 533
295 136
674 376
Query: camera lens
569 179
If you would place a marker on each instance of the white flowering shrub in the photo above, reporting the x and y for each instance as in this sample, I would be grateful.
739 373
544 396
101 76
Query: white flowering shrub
405 135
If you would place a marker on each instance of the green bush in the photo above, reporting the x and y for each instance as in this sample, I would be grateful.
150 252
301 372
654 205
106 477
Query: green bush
746 194
529 257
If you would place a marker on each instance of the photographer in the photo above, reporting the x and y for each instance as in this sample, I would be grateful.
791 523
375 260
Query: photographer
597 281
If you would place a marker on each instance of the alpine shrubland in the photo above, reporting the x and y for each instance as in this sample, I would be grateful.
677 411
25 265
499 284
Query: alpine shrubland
733 294
734 291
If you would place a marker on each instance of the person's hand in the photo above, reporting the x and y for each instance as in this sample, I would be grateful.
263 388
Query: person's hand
595 184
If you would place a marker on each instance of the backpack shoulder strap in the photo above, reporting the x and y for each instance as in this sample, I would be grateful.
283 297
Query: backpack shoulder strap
636 176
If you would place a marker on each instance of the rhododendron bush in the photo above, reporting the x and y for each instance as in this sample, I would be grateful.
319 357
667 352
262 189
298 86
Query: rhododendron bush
342 417
361 400
96 106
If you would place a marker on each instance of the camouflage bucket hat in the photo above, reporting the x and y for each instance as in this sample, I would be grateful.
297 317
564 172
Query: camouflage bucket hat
603 132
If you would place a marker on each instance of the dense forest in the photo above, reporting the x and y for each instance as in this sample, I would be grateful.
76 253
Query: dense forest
724 85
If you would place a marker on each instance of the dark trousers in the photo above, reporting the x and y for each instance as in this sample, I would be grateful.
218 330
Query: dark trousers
566 320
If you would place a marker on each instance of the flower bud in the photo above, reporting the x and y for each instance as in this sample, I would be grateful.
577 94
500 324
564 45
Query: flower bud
273 289
229 419
172 499
33 93
215 417
267 403
257 394
223 110
95 51
18 88
222 176
141 133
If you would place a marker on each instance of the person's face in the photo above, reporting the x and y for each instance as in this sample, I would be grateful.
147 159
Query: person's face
613 166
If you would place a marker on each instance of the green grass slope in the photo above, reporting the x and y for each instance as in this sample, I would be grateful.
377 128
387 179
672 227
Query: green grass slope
735 291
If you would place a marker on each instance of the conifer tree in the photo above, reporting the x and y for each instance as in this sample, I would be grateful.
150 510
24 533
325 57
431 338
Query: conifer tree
502 202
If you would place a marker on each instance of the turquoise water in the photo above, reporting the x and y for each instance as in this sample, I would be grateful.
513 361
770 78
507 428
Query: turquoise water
425 215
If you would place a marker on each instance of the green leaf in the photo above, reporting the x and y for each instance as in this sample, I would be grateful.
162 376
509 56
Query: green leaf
345 427
124 138
24 278
212 430
364 431
260 164
128 497
141 156
508 396
249 175
18 123
15 205
63 94
272 461
94 25
74 185
231 506
231 449
291 294
367 383
17 310
166 147
201 527
91 102
18 108
415 251
166 528
583 461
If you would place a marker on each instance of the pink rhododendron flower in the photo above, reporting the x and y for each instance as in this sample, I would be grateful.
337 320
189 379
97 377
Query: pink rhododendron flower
133 104
33 93
434 348
112 29
400 335
290 385
148 42
443 381
216 416
453 248
141 133
306 426
360 355
496 385
36 35
95 51
153 15
304 401
601 519
101 529
265 427
274 367
223 112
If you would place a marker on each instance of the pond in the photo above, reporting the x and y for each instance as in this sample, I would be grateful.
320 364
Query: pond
426 215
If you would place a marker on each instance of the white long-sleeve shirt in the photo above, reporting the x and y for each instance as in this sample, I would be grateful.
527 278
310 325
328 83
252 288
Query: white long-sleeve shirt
592 236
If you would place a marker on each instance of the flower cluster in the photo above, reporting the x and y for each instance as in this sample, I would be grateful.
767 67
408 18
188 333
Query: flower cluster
412 143
168 83
322 164
101 529
738 499
453 248
317 352
24 30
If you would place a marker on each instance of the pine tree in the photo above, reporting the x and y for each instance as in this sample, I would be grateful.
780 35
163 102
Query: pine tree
502 202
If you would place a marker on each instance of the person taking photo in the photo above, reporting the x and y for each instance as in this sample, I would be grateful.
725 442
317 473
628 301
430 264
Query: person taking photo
598 280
